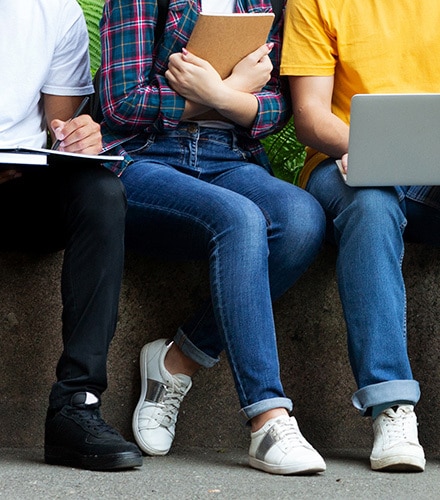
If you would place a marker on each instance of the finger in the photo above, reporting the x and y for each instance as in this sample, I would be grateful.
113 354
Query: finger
344 162
57 127
189 57
83 136
175 60
261 52
64 129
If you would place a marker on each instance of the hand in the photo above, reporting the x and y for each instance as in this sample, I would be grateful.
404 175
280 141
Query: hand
344 162
79 135
193 78
8 175
253 72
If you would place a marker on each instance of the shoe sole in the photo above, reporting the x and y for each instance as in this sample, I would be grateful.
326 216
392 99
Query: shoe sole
398 464
117 461
144 385
305 469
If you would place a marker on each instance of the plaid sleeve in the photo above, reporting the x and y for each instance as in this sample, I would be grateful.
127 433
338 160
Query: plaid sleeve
132 99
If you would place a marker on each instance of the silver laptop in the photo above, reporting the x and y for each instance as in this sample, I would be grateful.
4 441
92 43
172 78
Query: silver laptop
394 140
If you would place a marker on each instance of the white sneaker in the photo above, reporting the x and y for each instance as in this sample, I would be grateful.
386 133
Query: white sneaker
396 445
280 448
154 419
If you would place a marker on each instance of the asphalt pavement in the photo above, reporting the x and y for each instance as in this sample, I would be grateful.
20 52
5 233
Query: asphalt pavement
210 474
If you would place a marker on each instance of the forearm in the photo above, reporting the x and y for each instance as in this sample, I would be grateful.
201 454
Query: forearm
322 131
235 98
193 109
239 107
315 123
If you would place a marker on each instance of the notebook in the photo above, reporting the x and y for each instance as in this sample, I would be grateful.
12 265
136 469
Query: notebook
225 39
394 140
25 157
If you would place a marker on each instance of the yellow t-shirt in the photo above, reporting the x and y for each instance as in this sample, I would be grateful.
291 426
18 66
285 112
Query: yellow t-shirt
370 46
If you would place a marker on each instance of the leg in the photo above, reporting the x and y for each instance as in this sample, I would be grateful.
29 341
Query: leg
295 227
83 210
367 225
231 230
93 213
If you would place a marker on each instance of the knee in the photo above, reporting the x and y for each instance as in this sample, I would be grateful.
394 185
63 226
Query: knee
299 218
372 208
247 218
371 203
243 220
103 203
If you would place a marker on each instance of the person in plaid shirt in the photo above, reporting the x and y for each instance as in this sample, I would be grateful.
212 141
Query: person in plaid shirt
199 186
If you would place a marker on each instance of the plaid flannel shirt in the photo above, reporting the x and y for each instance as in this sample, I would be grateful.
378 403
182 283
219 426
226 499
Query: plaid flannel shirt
135 95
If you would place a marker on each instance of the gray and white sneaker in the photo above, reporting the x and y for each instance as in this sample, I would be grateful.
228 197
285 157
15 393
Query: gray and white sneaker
280 448
154 419
396 444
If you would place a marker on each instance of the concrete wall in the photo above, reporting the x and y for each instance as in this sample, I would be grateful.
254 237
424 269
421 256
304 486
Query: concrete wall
156 298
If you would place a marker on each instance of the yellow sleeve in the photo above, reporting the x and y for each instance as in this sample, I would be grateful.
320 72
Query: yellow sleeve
309 46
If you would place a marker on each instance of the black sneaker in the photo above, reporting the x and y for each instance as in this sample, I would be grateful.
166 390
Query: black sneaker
77 436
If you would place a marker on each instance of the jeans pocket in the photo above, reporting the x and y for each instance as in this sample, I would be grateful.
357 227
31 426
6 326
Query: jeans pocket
242 154
140 145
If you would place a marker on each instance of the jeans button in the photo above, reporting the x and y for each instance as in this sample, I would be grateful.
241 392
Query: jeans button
192 128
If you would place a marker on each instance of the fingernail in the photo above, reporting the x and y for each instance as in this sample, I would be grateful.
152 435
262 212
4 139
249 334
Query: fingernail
59 135
270 45
184 51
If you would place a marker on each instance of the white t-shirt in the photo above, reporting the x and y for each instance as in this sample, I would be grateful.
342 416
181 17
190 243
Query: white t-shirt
43 49
218 6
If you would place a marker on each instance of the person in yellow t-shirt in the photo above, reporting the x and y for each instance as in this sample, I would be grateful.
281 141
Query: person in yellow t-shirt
333 50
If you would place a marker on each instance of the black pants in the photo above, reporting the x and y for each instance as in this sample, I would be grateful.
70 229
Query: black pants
80 208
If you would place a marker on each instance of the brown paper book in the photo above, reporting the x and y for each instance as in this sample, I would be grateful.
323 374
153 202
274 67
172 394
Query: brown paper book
224 39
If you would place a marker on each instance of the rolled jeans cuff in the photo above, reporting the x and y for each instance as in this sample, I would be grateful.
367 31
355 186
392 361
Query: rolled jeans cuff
386 392
255 409
193 352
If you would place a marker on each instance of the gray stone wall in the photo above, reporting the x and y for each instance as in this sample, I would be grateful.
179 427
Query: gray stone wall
156 297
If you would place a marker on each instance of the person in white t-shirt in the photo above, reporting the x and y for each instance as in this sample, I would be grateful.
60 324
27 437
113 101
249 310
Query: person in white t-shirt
76 206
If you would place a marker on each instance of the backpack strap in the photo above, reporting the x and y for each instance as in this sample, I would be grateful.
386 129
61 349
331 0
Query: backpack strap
277 7
162 6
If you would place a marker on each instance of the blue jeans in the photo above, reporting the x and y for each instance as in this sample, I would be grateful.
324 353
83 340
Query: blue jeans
193 193
368 225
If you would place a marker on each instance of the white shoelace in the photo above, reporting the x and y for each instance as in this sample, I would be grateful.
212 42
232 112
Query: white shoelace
287 432
167 411
171 403
400 426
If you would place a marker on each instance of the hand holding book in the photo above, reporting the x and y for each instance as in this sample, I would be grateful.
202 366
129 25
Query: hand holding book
253 72
236 63
225 39
29 157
